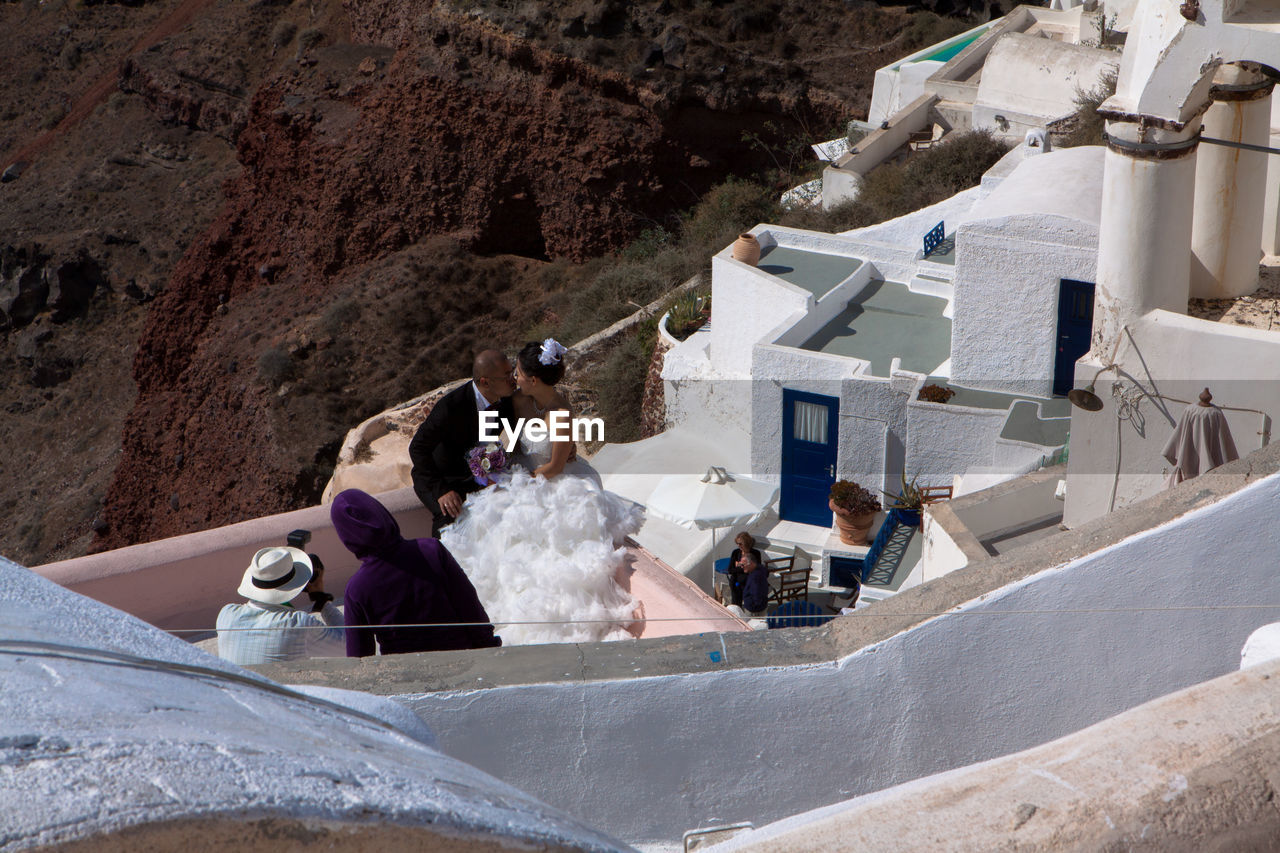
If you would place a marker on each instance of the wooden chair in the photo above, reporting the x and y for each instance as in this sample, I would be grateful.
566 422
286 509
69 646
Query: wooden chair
792 576
933 494
921 139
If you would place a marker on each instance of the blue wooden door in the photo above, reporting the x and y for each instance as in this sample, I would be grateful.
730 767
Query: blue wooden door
1075 327
809 436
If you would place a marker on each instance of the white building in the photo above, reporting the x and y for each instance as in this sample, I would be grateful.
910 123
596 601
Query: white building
818 353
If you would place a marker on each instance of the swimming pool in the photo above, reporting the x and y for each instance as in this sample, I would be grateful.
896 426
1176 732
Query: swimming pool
949 51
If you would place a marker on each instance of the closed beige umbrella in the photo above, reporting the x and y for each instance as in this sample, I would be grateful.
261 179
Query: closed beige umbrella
1201 441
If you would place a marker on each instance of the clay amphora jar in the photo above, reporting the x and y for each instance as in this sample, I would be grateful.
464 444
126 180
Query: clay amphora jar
747 249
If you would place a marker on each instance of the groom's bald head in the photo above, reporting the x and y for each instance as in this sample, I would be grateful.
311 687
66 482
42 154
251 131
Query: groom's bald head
489 363
491 372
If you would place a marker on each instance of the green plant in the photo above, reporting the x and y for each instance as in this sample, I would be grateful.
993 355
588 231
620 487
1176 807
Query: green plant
935 393
851 497
650 242
910 498
688 314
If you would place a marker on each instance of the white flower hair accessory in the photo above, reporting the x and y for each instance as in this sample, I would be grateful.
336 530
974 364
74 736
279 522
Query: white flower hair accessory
552 352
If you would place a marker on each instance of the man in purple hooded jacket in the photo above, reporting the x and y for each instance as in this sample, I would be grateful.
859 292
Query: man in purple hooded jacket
403 581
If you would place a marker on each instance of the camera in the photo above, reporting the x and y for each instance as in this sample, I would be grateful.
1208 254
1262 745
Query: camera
298 539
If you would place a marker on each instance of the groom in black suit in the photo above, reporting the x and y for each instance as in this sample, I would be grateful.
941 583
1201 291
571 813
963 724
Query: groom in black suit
441 476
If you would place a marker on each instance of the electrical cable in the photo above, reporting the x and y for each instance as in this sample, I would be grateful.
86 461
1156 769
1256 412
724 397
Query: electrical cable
85 654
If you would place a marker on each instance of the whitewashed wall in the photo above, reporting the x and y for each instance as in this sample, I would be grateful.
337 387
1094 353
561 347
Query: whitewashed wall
1241 367
895 245
1017 456
1006 303
696 398
944 439
897 86
872 416
775 367
1022 665
939 551
144 754
892 133
746 304
1029 81
708 377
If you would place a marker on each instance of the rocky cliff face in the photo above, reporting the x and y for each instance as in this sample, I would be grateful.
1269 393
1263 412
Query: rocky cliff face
355 156
240 228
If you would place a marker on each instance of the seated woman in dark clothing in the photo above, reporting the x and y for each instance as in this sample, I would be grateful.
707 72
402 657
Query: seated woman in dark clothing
737 575
755 591
403 582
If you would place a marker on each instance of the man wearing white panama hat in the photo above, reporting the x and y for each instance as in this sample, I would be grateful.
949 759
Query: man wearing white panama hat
267 628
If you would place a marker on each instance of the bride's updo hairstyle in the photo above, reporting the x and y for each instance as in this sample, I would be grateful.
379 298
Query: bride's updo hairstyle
533 360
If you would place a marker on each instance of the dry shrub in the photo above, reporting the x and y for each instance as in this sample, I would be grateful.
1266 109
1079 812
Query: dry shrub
926 29
282 33
930 176
619 386
1087 125
726 211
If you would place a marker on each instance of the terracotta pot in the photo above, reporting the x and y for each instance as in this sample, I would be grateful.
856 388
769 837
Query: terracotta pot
853 528
747 249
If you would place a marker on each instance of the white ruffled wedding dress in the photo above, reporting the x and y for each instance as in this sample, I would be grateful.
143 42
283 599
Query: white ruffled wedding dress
547 551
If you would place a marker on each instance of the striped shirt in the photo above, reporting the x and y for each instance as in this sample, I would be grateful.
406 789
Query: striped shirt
285 633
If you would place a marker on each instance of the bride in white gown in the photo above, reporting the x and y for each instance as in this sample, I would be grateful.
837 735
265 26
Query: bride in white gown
545 546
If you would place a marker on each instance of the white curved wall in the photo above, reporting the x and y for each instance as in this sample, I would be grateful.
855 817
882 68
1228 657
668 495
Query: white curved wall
121 737
1040 658
1029 81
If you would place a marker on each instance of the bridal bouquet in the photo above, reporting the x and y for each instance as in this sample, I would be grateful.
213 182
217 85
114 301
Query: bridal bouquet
486 461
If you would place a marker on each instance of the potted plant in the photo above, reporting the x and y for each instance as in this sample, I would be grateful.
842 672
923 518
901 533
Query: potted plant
855 509
907 506
935 394
688 314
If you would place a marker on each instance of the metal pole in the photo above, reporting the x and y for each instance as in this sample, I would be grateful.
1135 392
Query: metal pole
1245 145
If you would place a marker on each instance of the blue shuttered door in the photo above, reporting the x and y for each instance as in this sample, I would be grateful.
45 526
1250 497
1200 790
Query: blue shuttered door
1075 327
809 439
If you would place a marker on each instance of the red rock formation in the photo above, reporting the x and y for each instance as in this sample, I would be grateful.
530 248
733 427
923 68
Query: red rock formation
358 153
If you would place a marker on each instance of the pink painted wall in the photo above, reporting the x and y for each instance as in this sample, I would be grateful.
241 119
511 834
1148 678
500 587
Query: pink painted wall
182 583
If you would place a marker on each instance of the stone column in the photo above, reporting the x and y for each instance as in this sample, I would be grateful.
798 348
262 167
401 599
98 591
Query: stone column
1271 200
1226 234
1147 191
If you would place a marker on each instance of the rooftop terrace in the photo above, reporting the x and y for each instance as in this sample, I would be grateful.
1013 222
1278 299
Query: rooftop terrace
816 272
1035 420
886 321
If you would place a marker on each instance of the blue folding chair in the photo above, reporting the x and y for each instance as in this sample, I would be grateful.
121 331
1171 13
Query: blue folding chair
797 614
721 576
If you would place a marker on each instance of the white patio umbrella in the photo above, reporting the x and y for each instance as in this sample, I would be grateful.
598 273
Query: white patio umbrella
714 500
1201 440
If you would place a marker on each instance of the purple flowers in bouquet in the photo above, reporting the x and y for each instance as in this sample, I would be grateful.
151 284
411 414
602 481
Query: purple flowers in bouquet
486 461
